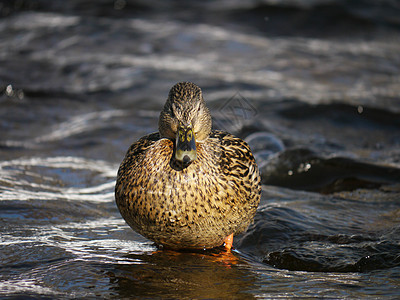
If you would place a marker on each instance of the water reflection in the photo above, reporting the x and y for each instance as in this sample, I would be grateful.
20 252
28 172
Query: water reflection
212 274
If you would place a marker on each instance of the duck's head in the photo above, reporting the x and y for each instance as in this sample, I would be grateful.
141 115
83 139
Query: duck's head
185 119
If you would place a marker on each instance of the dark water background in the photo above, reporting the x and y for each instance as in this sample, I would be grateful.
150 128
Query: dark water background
313 86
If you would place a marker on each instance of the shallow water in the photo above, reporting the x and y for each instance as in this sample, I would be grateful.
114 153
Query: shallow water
314 89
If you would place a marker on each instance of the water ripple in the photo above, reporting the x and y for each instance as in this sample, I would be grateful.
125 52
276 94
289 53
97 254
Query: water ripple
34 184
75 125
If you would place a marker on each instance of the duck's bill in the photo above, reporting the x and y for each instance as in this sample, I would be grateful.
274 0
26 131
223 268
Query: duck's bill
185 145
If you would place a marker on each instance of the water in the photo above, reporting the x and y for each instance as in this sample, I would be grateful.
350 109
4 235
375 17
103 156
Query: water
313 86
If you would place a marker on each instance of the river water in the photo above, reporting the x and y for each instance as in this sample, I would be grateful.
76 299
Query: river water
313 86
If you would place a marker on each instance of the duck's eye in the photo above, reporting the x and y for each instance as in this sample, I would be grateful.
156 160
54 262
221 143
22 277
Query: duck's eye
172 112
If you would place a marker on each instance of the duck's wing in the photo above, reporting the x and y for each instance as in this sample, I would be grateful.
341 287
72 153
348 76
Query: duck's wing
240 170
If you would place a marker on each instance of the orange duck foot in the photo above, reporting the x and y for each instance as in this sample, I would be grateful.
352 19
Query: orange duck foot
228 242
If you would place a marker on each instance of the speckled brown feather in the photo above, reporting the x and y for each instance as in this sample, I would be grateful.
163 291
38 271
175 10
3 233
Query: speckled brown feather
192 207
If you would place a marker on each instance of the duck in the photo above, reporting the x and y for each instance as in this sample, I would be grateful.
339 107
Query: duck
188 186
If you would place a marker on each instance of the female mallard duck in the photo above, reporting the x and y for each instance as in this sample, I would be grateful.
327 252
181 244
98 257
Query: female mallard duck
187 186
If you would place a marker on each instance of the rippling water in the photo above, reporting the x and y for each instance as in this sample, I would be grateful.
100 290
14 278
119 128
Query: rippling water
313 86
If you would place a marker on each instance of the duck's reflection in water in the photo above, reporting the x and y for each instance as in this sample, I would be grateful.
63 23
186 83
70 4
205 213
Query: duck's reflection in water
212 274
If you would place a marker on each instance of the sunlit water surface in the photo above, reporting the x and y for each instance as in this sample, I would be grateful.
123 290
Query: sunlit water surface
318 103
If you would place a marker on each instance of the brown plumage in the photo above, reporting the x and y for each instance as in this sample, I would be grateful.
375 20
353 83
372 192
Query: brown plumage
187 186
